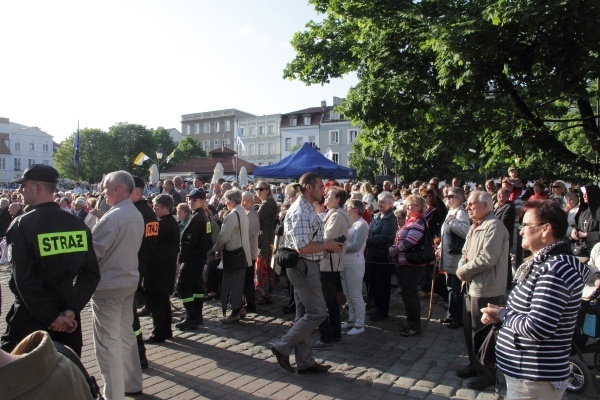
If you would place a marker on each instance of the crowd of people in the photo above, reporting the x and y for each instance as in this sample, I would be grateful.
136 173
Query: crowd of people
130 246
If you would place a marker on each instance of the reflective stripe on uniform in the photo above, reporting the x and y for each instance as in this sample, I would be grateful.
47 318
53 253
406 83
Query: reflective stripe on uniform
187 299
198 295
138 332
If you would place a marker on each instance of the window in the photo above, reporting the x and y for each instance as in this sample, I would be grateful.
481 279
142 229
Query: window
293 120
197 132
336 158
299 141
307 119
2 163
270 163
288 144
251 131
227 126
18 145
252 150
312 141
31 145
45 147
242 131
261 164
206 127
46 162
271 149
217 144
227 143
261 149
206 145
352 134
261 131
17 162
188 129
30 162
217 127
334 137
271 129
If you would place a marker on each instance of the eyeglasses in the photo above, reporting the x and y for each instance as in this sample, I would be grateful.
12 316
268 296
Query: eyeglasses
527 224
451 196
556 187
472 204
261 189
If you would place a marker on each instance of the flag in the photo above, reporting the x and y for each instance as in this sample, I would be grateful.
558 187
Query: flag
329 154
139 160
240 142
76 147
170 156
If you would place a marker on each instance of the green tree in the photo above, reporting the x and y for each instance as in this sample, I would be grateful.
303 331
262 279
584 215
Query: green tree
95 149
128 141
440 77
187 149
162 140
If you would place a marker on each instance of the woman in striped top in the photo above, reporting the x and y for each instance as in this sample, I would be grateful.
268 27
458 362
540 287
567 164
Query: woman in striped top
539 319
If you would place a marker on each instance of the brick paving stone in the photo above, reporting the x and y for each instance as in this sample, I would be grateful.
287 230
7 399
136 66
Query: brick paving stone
418 392
443 390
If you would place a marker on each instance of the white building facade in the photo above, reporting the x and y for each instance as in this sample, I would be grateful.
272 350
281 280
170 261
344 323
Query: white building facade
262 139
22 146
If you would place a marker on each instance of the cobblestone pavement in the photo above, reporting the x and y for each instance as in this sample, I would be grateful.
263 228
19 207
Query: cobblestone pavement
234 361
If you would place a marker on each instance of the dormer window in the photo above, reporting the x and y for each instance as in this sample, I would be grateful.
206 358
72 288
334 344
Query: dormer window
307 119
293 120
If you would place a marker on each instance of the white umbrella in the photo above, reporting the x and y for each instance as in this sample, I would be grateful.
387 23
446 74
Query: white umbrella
154 174
243 176
219 172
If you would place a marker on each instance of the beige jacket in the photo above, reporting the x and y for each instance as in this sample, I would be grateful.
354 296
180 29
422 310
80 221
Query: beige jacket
484 260
336 224
229 237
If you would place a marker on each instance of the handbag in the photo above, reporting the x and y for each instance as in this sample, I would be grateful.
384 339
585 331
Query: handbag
456 243
580 248
422 252
287 257
236 258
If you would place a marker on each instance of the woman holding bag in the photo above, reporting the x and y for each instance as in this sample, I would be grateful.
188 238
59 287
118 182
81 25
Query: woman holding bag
454 231
230 242
409 236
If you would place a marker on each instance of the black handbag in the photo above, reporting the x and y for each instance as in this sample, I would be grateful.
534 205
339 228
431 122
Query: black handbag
234 259
422 252
580 248
287 257
456 243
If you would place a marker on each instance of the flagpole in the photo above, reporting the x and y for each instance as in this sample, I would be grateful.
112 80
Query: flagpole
237 148
77 154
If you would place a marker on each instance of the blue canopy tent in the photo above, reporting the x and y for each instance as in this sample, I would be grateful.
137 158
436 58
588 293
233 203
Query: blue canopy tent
305 159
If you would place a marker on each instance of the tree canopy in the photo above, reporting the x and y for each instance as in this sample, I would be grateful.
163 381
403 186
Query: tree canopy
462 87
102 152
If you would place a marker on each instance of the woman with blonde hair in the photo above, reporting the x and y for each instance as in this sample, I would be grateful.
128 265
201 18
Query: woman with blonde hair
267 216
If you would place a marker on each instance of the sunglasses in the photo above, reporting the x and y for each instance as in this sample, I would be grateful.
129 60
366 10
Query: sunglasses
261 189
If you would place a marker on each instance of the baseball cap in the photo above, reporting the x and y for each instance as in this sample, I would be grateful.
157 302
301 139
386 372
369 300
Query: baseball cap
139 182
197 194
38 172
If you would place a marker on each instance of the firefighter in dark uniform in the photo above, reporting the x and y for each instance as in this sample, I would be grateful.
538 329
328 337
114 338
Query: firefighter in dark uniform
195 243
54 267
146 257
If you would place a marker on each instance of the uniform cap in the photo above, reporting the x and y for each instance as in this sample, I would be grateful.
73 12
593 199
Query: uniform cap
197 194
40 173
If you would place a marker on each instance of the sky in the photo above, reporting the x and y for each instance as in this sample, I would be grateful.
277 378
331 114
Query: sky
150 61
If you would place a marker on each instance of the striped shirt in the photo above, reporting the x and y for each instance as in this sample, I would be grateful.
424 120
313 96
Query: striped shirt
540 317
409 236
302 226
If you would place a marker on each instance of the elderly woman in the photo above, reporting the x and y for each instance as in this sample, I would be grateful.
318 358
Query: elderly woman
379 269
538 322
587 230
453 233
336 224
354 268
233 235
409 236
572 208
267 217
183 216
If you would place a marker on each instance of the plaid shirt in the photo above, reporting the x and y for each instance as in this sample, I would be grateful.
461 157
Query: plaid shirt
302 225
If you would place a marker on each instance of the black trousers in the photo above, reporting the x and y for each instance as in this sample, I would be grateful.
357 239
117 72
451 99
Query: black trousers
190 286
411 276
455 297
332 326
471 324
160 307
380 281
249 290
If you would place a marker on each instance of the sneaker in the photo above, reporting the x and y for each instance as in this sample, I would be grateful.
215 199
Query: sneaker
318 345
347 325
356 331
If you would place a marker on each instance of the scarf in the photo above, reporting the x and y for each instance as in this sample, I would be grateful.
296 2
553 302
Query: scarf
525 269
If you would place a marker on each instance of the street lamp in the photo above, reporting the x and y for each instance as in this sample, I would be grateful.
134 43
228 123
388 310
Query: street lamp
159 155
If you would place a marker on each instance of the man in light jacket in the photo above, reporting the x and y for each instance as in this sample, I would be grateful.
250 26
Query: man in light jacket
483 270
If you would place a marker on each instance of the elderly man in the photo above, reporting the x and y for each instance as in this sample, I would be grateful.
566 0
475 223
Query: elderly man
5 217
303 231
538 322
170 189
253 231
483 270
79 208
54 268
117 240
558 193
180 187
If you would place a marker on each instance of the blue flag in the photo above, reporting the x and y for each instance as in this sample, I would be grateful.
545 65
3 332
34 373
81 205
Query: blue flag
76 147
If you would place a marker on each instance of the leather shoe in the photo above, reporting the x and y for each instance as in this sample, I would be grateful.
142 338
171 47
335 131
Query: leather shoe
465 373
282 359
315 369
454 325
479 384
445 320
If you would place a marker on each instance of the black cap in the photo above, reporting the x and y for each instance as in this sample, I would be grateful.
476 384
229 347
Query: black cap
139 182
197 194
38 172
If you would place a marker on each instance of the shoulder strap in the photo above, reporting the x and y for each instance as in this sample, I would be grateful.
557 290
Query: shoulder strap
70 354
